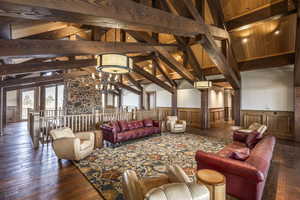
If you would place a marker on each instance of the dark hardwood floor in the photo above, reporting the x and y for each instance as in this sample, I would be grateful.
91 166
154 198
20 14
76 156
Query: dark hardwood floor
36 174
29 174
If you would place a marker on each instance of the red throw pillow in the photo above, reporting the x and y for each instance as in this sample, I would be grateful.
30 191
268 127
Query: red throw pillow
148 122
239 155
252 140
115 126
123 125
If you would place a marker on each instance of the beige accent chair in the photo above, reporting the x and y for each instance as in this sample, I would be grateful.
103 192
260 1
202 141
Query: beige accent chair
260 128
174 125
174 185
70 146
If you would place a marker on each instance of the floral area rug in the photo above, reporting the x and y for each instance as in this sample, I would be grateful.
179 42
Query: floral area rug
147 156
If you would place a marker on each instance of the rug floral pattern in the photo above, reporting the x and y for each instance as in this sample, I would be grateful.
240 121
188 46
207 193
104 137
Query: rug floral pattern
147 156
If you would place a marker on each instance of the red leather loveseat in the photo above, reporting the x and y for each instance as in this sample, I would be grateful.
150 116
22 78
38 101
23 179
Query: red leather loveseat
244 179
121 131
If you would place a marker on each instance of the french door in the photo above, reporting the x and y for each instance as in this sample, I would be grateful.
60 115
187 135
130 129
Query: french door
27 102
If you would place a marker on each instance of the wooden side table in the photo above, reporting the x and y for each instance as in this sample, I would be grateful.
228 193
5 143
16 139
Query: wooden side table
98 139
214 181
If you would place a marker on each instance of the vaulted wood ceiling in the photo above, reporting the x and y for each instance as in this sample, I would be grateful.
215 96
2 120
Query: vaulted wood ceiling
261 34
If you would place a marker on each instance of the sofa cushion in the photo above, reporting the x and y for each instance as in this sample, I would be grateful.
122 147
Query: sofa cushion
115 126
140 124
123 125
127 135
134 125
226 151
148 122
252 140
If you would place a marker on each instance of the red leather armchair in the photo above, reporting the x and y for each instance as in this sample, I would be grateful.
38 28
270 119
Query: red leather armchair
121 131
244 179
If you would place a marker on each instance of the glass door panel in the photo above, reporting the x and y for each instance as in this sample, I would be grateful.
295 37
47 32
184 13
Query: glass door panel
60 97
50 95
27 102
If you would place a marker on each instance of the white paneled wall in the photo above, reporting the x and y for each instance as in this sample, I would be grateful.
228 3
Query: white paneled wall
216 98
163 97
189 98
130 99
269 89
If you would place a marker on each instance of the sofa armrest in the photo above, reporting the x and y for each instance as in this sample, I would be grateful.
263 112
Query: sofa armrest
228 166
107 129
240 136
109 133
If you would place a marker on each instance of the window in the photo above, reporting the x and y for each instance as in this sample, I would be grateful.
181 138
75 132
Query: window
54 97
50 95
27 102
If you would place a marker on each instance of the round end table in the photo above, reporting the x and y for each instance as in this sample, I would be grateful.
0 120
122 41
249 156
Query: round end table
214 181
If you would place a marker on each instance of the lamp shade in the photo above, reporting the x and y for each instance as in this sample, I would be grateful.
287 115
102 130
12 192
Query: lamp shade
202 84
114 63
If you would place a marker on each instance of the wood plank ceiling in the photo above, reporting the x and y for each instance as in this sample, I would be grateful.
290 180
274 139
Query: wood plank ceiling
167 39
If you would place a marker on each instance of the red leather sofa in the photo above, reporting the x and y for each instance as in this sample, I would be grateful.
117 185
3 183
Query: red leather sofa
244 179
121 131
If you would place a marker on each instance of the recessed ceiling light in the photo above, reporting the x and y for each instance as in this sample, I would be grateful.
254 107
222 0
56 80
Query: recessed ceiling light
245 40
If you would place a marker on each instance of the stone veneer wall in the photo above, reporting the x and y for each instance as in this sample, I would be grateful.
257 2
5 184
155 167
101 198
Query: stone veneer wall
80 96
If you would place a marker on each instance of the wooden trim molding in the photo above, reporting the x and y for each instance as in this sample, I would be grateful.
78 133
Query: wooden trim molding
279 123
192 116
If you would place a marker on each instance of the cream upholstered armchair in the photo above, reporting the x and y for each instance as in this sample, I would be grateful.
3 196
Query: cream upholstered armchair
254 128
70 146
260 128
174 125
173 185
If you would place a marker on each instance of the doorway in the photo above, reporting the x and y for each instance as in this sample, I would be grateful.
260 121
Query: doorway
27 102
151 100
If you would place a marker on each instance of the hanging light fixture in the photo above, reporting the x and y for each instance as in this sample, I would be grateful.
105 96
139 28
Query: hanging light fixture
114 63
202 84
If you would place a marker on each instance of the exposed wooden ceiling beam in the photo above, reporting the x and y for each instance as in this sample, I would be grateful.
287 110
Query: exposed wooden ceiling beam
152 78
48 48
34 85
219 80
56 34
268 62
142 58
126 87
156 62
134 82
123 14
214 51
178 8
19 81
45 66
188 52
164 55
269 11
217 12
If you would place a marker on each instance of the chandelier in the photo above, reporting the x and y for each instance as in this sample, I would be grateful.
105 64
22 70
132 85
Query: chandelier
202 84
106 81
114 63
